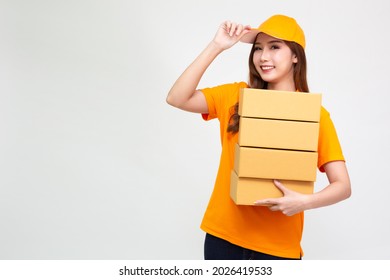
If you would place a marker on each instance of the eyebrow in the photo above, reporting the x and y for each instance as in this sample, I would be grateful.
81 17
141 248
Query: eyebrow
271 42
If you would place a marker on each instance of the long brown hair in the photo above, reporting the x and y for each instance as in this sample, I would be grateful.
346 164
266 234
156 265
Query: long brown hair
255 80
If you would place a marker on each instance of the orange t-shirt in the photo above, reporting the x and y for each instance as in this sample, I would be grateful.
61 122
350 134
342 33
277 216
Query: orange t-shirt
255 227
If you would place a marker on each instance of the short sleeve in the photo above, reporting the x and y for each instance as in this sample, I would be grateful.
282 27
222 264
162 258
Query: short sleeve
218 97
329 148
212 97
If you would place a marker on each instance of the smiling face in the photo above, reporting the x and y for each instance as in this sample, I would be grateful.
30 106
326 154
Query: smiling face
274 61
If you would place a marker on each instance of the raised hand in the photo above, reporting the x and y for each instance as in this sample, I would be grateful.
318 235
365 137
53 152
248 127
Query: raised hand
229 33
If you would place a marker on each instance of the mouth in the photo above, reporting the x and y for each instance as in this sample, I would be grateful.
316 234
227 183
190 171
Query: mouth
266 67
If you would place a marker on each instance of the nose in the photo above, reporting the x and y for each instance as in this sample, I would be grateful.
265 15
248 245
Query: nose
264 55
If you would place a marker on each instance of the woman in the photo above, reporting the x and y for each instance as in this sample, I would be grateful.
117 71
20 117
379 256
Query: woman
271 228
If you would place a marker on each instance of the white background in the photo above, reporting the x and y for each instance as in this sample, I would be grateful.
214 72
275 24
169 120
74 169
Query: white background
95 165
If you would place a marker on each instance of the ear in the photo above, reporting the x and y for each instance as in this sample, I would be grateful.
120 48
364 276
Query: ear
295 59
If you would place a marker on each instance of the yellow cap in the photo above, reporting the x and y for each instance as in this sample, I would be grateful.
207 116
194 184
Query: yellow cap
278 26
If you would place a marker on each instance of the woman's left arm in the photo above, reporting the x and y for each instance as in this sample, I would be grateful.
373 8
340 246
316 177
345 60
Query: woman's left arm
339 187
291 203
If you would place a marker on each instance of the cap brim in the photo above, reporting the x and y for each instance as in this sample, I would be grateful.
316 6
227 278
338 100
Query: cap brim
250 36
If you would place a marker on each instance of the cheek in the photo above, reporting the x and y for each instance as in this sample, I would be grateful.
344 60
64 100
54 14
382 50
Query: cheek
286 60
256 57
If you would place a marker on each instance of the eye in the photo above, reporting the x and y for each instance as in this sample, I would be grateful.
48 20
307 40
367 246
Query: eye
275 47
257 48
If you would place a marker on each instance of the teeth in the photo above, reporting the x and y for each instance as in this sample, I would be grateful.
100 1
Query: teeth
267 67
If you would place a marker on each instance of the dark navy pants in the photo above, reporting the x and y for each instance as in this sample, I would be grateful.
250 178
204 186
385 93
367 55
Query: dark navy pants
218 249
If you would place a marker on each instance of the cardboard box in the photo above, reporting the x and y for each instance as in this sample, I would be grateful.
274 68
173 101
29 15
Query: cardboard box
245 191
278 134
283 105
275 164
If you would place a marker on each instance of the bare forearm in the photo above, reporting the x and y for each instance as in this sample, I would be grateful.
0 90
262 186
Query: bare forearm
185 86
332 194
339 187
183 94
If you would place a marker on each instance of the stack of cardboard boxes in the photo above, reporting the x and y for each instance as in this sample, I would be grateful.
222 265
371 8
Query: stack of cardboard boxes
278 139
